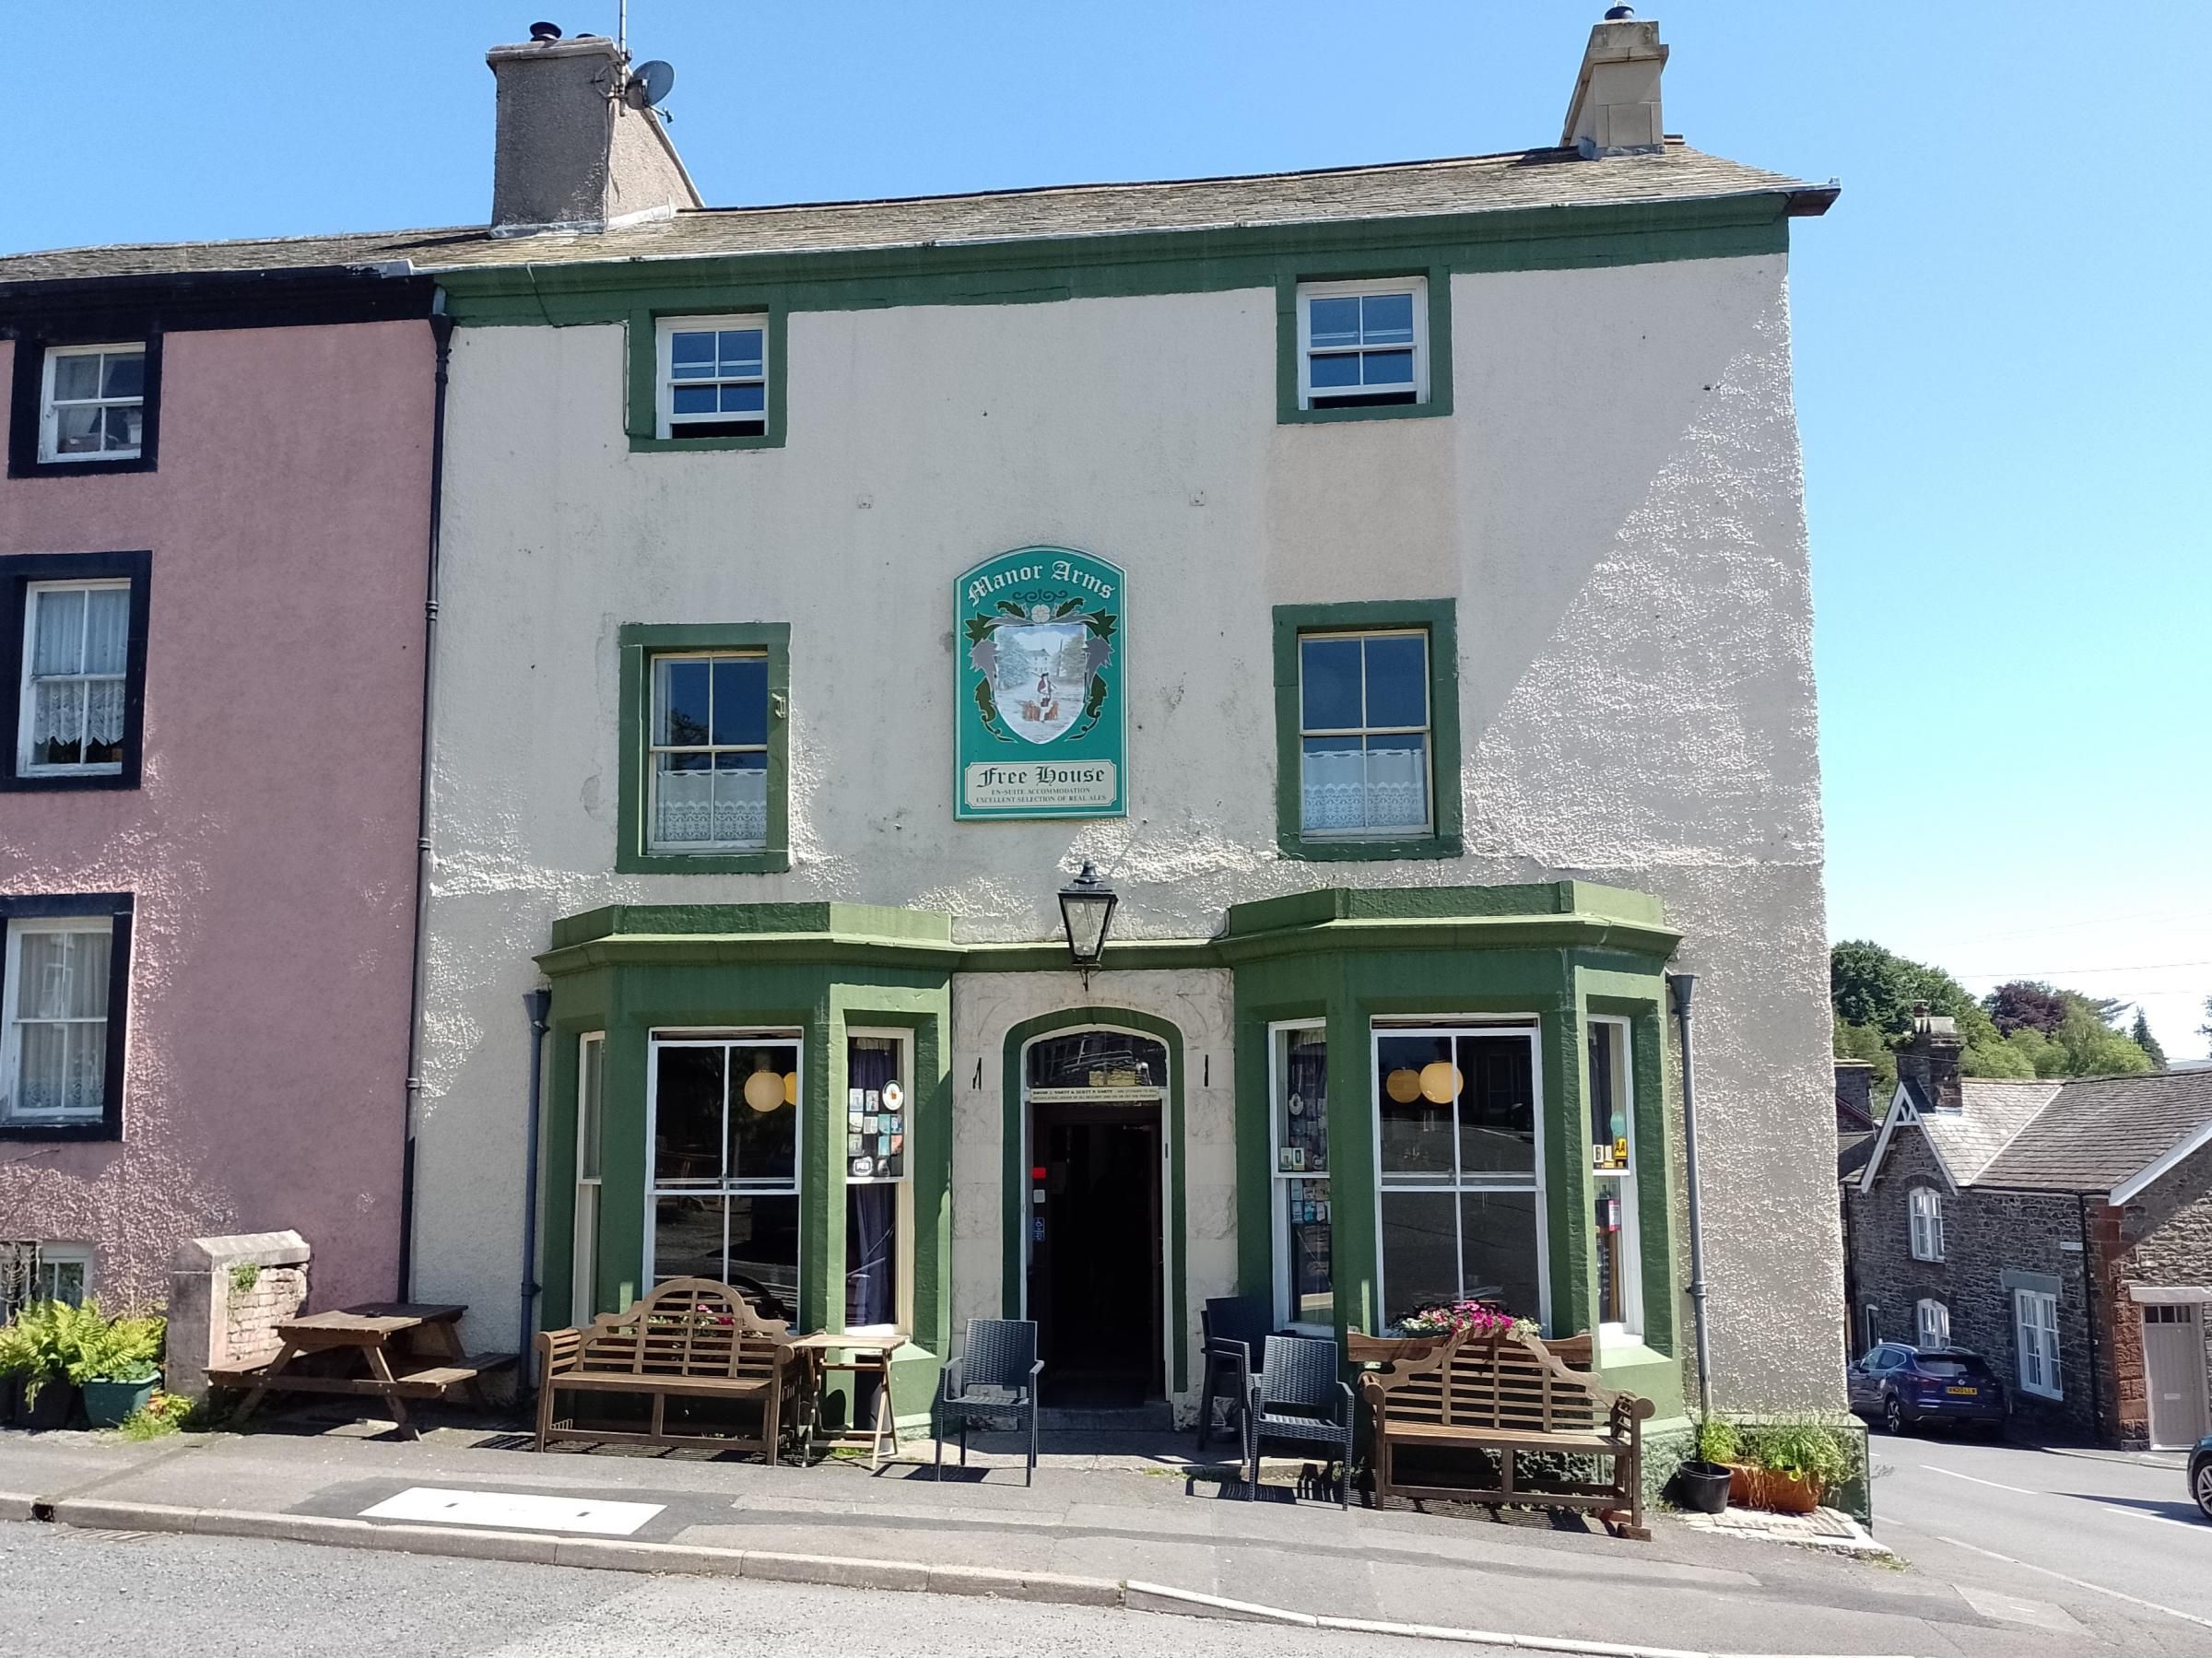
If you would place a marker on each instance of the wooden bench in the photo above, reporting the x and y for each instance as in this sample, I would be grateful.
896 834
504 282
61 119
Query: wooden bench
1509 1396
691 1339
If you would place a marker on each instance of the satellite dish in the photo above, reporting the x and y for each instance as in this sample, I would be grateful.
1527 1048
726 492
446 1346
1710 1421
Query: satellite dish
649 82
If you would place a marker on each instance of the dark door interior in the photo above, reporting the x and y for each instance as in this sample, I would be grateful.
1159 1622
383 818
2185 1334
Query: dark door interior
1095 1253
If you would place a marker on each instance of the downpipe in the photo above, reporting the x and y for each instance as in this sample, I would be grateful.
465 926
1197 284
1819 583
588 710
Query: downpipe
537 1004
1680 987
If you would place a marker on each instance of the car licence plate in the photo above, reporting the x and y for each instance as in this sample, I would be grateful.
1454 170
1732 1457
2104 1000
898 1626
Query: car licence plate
1972 1392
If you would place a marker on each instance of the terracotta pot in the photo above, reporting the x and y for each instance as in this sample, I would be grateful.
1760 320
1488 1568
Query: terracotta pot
1778 1493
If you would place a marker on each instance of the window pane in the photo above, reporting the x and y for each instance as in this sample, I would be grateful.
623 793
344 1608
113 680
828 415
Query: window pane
1334 322
1608 1108
1302 1101
85 992
1386 319
1332 786
108 631
76 376
1608 1238
58 644
589 1095
764 1253
692 400
687 1128
1497 1107
1397 783
1329 684
740 351
740 700
691 355
126 427
764 1120
1415 1084
740 800
683 800
1497 1235
681 687
1421 1261
1397 680
744 399
1331 372
871 1255
1308 1248
125 375
1388 368
76 430
687 1237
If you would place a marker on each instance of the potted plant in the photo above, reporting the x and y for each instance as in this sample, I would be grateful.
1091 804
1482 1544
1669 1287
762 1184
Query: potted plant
36 1350
114 1362
1788 1466
1702 1482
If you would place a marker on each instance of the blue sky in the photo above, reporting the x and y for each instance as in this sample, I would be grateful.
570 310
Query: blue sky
2001 349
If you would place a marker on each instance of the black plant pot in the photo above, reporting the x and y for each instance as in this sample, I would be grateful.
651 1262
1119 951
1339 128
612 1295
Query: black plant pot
1702 1488
52 1408
11 1399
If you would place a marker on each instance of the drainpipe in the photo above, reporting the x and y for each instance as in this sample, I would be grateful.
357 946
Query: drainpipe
2088 1300
1679 989
441 331
536 1004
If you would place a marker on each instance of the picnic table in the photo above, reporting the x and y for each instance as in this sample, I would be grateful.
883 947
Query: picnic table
866 1356
399 1352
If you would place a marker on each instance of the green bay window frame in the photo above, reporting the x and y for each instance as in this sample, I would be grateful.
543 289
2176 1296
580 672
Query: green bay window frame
640 644
644 403
1435 618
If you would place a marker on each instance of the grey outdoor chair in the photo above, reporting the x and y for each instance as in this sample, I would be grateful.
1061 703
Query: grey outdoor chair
995 1376
1299 1397
1234 1331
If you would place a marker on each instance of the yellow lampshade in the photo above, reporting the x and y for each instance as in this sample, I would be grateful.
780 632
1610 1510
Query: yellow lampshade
764 1091
791 1087
1440 1082
1403 1085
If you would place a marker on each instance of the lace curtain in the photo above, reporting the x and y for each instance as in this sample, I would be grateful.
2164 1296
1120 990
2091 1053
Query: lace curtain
61 1007
80 647
710 808
1378 789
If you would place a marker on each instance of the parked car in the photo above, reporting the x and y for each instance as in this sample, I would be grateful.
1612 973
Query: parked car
2200 1475
1903 1385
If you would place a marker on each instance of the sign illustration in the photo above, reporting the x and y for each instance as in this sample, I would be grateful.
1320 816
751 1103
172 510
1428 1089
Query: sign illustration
1038 645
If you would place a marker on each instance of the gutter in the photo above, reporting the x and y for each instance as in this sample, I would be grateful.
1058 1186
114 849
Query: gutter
1678 987
441 329
2089 1297
538 1004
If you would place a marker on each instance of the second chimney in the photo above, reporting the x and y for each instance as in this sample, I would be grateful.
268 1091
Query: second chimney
570 153
1616 106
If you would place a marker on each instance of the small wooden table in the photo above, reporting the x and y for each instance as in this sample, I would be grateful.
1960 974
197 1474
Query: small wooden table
869 1354
422 1339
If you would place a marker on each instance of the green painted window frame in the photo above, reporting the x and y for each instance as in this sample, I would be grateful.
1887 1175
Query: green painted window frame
1438 618
643 412
640 642
1438 278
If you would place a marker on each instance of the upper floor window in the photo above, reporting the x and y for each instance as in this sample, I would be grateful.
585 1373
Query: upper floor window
94 406
58 980
76 641
714 377
73 635
710 753
1363 345
1363 733
1925 1205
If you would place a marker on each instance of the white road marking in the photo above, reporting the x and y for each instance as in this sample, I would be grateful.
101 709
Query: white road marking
1993 1484
2147 1514
505 1510
2079 1583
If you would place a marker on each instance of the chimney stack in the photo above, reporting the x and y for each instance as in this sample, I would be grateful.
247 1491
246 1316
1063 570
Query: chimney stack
571 152
1931 1059
1615 106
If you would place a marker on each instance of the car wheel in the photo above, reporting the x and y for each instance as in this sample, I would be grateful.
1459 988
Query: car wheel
1893 1416
2203 1485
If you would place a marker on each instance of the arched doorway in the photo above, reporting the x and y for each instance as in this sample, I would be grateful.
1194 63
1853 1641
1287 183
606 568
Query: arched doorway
1096 1200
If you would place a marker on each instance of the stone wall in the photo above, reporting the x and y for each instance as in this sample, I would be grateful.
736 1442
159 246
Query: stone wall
226 1297
1986 1235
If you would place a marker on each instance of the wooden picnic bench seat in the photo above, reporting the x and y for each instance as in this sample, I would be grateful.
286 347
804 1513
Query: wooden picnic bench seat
1509 1396
691 1339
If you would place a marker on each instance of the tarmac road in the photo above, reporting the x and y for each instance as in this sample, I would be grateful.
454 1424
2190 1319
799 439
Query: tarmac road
2077 1527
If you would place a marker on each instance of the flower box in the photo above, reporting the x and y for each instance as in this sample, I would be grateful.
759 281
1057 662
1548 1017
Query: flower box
1772 1489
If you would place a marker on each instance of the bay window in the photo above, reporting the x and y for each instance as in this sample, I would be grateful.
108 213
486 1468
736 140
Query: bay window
878 1197
1305 1289
724 1114
1614 1242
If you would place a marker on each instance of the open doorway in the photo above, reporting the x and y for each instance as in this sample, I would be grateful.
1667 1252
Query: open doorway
1097 1255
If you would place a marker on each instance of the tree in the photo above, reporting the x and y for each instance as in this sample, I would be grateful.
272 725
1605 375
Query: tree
2144 1039
1870 986
1866 1043
2093 1048
2025 1004
2204 1029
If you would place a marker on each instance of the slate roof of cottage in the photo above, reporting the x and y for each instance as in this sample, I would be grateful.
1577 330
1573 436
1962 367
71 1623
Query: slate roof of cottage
1990 1115
2101 1130
1540 178
1852 1149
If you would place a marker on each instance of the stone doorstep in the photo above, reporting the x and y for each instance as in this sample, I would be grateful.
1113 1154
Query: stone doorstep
1823 1528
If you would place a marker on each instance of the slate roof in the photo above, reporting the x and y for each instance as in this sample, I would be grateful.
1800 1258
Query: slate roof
2101 1130
1852 1150
1541 177
1990 1115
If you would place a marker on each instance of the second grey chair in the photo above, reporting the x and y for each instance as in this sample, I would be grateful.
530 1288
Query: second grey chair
1299 1397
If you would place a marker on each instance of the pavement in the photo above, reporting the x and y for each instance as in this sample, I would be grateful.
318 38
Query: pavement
1112 1529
